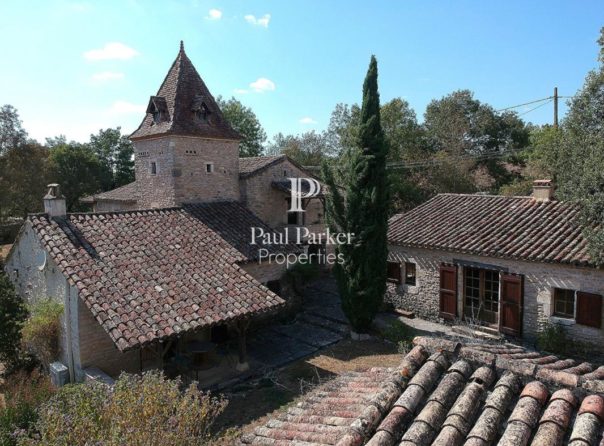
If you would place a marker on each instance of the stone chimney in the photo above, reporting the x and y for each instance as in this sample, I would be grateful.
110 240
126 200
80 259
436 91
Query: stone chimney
54 202
543 190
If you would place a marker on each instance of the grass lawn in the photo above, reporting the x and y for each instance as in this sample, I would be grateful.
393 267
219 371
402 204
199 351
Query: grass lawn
253 403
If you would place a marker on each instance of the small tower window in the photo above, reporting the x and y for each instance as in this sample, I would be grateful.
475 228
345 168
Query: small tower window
153 168
156 116
209 167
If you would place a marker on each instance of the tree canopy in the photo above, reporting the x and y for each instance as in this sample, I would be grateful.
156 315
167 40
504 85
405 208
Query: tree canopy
244 121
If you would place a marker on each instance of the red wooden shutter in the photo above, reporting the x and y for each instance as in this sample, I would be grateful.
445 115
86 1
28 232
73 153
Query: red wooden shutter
394 272
448 291
589 309
510 320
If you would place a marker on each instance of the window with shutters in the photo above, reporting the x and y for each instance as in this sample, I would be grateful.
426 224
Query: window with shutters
589 309
394 272
564 303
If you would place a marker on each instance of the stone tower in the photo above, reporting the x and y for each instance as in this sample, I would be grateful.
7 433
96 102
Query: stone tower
184 149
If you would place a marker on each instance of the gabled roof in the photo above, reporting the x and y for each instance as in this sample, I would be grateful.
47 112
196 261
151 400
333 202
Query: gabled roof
127 193
149 275
496 226
252 165
182 93
234 223
446 394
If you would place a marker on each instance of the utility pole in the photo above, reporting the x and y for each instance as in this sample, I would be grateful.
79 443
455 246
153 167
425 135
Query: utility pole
555 107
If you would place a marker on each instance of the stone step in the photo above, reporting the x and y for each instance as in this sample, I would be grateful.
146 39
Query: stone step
474 333
405 313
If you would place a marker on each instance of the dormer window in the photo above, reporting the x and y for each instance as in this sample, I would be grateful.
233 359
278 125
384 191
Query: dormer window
156 116
200 108
158 109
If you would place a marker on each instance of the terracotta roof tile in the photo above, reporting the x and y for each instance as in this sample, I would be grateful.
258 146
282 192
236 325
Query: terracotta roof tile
495 226
436 403
147 275
181 93
251 165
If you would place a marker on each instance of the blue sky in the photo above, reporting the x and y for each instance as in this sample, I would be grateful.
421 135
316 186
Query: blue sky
72 67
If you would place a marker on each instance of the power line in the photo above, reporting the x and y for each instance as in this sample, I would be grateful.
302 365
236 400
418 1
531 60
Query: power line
535 108
526 103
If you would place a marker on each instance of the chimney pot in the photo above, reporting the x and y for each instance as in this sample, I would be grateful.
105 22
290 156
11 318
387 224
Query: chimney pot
54 202
543 190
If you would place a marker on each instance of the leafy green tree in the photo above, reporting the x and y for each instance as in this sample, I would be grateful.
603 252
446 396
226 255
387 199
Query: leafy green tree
12 133
362 276
244 121
12 317
23 179
578 155
116 155
308 149
77 169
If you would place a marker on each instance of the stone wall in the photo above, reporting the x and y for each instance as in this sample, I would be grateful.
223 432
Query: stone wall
181 175
113 206
96 348
36 277
539 281
270 204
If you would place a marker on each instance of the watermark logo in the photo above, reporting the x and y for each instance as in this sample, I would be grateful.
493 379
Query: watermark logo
299 191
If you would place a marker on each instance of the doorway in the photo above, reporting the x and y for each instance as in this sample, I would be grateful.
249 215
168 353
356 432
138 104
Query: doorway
481 295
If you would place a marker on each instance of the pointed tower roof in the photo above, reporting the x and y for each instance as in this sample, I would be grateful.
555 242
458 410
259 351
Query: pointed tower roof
184 106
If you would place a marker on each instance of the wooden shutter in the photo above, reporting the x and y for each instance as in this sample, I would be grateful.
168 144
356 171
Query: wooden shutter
510 319
394 272
589 309
448 291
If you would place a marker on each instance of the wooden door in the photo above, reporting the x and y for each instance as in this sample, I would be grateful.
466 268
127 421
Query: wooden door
510 321
448 291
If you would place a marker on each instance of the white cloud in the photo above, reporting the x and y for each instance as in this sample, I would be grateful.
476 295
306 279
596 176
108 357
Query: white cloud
124 107
307 120
260 21
106 76
214 14
111 50
262 84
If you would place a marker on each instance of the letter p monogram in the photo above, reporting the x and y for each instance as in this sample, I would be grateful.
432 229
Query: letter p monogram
298 192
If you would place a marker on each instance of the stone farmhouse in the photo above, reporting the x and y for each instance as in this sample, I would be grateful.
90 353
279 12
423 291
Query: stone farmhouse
163 270
509 264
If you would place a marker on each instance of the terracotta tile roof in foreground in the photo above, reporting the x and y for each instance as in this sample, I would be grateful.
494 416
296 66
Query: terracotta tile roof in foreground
444 393
495 226
150 275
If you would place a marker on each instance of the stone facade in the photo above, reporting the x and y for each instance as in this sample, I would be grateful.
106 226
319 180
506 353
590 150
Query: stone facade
270 204
181 171
539 281
36 277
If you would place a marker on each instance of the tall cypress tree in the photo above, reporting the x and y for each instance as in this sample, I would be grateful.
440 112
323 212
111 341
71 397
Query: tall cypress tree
363 211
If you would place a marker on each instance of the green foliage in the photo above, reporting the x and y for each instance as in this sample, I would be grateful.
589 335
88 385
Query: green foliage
12 317
146 409
23 180
115 153
23 394
552 338
77 169
12 133
244 120
42 329
362 277
307 149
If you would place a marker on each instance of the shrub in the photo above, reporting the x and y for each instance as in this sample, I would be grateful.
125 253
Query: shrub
303 273
552 338
23 393
42 329
146 410
398 333
12 316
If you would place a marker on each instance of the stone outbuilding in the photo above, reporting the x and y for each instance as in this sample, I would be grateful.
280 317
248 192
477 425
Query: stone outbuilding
511 264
